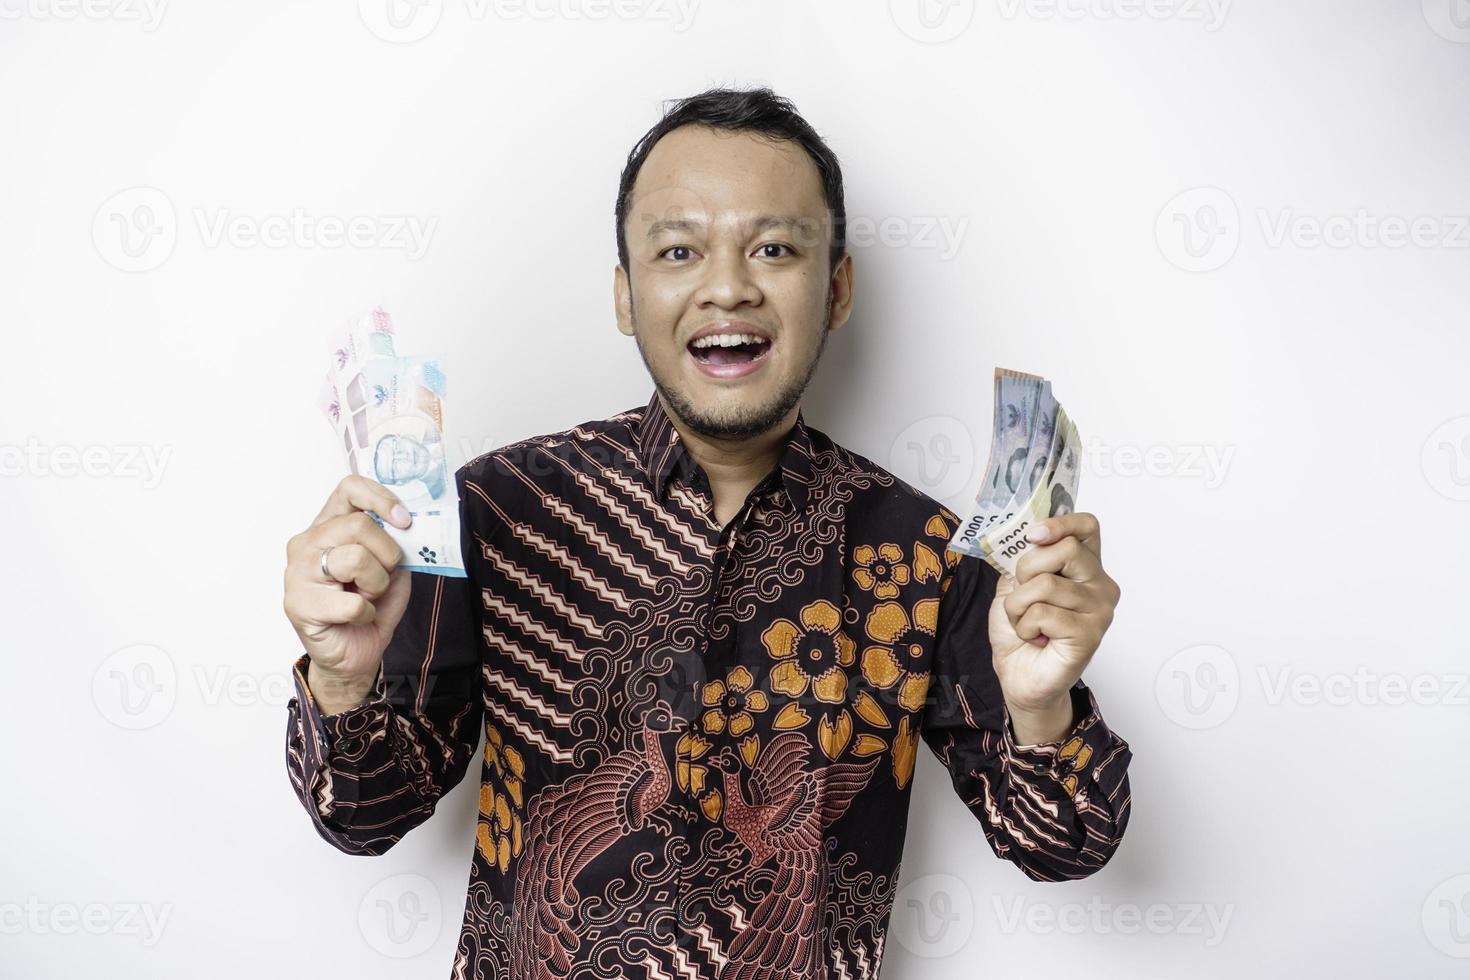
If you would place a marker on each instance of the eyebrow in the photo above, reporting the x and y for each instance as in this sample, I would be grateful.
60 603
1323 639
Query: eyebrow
759 223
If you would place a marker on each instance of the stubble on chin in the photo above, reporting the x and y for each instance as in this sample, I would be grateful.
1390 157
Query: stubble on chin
746 423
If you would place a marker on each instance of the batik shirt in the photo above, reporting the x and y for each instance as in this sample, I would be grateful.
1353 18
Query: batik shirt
699 740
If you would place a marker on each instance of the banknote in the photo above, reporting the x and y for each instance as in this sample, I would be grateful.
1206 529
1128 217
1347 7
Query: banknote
388 413
370 335
1017 398
1028 468
344 392
1024 467
1055 493
1032 474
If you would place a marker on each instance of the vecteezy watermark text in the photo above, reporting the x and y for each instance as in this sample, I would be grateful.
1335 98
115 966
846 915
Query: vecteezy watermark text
407 21
147 14
99 461
1201 686
1207 463
1210 13
136 230
409 233
1201 229
39 918
1099 917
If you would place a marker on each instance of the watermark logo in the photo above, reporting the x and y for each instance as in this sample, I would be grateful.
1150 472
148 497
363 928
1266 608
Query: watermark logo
401 21
1199 229
1446 917
1201 686
1445 459
1198 687
934 917
139 686
135 687
932 21
937 453
136 229
400 917
1450 19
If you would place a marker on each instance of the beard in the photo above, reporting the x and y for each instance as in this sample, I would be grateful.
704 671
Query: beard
753 420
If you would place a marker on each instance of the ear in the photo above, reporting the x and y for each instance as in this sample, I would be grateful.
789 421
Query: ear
623 300
842 285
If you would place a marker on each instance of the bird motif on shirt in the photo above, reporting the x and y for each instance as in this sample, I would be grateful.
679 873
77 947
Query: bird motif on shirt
568 827
789 810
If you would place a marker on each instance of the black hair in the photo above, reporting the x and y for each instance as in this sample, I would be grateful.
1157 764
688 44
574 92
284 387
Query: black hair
758 110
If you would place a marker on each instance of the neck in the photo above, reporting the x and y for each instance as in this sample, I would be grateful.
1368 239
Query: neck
734 466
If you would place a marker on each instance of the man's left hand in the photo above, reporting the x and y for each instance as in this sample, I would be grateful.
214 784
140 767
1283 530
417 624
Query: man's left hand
1047 621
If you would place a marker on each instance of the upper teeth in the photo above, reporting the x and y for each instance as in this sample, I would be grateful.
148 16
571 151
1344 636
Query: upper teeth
727 340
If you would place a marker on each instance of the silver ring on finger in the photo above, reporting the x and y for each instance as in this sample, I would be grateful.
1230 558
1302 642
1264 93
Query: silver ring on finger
327 572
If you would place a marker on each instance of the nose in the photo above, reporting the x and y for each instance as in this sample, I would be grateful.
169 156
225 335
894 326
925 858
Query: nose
727 282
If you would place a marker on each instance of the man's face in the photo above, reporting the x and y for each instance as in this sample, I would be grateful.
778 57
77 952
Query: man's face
729 230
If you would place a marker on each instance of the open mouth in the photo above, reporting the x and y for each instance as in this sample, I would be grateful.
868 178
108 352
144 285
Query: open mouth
731 354
719 355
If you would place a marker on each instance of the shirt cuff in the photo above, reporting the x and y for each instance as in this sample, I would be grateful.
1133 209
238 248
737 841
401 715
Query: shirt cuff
321 735
1069 761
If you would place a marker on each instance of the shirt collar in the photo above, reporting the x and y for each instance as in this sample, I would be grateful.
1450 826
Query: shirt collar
661 453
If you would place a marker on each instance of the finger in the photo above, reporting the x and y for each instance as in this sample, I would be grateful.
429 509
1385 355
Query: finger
391 604
354 528
1052 590
1081 525
352 564
1057 624
355 493
1069 558
322 607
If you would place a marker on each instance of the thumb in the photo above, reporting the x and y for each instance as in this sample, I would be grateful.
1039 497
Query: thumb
1005 586
1003 636
392 603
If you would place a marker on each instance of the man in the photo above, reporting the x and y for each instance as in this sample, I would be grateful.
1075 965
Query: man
702 640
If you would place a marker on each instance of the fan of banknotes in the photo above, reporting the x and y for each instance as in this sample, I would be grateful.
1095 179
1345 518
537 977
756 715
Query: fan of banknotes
388 413
1032 473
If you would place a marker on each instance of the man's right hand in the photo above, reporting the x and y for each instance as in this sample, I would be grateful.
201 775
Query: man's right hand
346 620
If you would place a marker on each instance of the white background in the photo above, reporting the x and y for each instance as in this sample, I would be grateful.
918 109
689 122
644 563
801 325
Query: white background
1315 829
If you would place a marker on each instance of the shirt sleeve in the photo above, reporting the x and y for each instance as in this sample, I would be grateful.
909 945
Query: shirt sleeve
1056 810
370 774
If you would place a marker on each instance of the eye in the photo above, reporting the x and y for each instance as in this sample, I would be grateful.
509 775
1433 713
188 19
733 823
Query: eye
677 252
766 250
